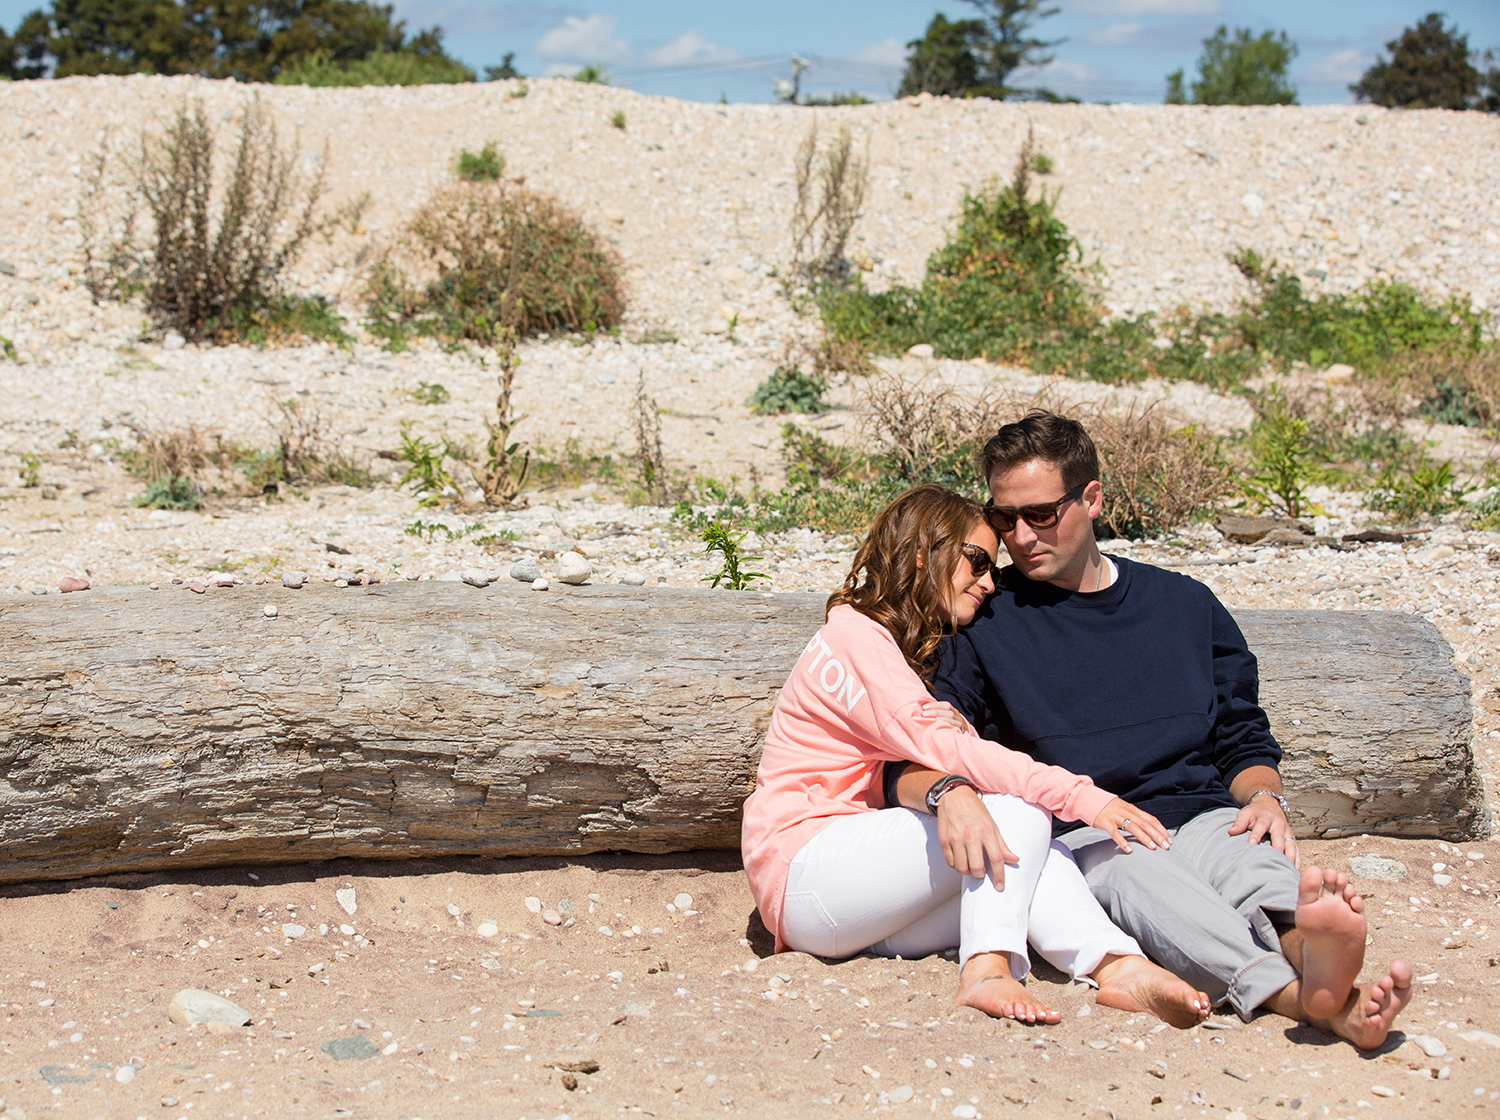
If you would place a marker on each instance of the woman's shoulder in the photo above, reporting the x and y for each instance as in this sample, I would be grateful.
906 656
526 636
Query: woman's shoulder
847 619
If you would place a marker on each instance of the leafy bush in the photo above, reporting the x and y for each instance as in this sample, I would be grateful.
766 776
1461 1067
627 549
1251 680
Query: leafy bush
483 257
788 389
215 260
287 319
1283 460
8 349
617 119
430 392
485 166
171 462
1425 489
383 68
722 539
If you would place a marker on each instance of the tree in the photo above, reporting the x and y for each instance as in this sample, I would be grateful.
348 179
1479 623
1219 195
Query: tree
1244 70
976 57
506 69
252 40
1429 68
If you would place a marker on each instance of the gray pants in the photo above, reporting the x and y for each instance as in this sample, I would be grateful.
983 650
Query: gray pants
1207 909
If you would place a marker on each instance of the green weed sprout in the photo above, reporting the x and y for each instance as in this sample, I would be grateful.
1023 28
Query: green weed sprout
718 538
31 469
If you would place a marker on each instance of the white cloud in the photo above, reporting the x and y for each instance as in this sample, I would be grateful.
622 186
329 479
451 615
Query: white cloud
1339 68
690 49
1147 7
1113 35
585 40
887 52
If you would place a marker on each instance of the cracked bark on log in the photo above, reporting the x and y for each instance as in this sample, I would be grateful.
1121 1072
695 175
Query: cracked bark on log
144 730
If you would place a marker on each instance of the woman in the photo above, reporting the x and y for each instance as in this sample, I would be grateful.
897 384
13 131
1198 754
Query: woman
834 873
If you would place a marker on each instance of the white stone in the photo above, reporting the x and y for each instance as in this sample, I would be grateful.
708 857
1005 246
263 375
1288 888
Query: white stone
921 350
1377 867
684 901
634 578
540 584
1252 203
293 930
965 1111
345 897
173 341
1432 1047
193 1005
900 1094
347 930
534 905
487 929
125 1075
269 610
293 580
574 567
1382 1091
1484 1037
476 577
1442 880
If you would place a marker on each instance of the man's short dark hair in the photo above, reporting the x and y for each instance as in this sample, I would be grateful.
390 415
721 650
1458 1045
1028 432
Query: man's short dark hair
1047 436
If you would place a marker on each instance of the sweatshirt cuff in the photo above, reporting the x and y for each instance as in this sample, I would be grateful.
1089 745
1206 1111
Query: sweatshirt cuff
1089 802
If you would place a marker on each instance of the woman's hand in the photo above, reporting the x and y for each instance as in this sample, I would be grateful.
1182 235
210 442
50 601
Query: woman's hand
969 837
941 709
1118 816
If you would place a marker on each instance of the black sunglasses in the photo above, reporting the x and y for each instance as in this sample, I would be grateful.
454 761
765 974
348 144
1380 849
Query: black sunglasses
979 560
1043 516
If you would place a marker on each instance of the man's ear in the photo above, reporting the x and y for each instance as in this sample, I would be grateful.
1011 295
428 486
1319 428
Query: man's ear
1093 499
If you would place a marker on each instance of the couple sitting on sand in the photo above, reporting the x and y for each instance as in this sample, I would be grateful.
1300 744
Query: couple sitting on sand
888 822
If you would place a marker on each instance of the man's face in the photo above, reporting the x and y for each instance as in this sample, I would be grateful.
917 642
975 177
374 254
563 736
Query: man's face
1059 554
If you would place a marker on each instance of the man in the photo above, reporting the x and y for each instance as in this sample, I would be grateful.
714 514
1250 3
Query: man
1139 678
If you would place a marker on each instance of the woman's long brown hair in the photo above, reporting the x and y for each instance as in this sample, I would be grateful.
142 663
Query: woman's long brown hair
888 584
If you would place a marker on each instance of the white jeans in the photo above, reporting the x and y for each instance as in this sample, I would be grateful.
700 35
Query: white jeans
878 882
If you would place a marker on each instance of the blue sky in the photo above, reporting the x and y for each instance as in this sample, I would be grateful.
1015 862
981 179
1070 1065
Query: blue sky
1117 50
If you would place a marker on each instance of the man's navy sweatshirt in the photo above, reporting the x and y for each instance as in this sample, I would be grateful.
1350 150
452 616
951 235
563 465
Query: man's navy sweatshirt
1146 686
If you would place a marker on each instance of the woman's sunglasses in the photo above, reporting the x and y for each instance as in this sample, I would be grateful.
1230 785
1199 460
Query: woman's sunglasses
1043 516
979 560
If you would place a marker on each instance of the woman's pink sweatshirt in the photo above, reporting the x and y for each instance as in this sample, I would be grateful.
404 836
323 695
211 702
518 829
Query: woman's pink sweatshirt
853 701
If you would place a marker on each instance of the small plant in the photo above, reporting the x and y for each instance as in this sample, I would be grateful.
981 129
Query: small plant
429 392
216 257
1453 403
176 493
593 74
429 529
499 476
1424 489
788 389
288 319
810 458
719 538
171 462
381 68
1283 460
425 471
1042 163
520 91
831 186
306 450
31 469
617 119
8 349
650 459
498 539
484 167
571 466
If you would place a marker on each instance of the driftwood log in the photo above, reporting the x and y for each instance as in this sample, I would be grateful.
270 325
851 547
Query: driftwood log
144 730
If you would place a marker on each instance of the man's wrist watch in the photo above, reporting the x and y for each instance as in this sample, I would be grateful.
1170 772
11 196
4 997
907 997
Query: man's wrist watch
1286 810
942 786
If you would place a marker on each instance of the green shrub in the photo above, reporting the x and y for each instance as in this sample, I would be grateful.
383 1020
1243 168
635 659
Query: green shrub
1283 459
31 469
592 75
719 538
430 392
617 119
8 349
429 478
287 319
1424 489
384 68
485 166
788 389
483 257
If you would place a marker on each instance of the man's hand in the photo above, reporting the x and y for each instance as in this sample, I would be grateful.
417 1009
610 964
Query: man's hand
1262 818
969 837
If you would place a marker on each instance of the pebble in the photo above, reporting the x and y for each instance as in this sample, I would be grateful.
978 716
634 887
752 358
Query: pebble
355 1047
565 905
684 901
38 590
173 341
1432 1047
539 584
1442 880
534 905
900 1094
347 930
487 929
525 570
1382 1091
125 1075
922 350
72 583
1481 1036
751 965
269 610
965 1111
315 968
196 587
552 917
345 898
294 580
293 930
574 567
193 1005
454 911
1377 867
633 578
476 577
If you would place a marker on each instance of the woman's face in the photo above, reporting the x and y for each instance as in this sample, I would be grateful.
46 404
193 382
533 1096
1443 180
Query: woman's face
969 591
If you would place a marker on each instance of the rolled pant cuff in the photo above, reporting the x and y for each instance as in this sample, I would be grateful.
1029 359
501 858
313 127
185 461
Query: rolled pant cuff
1257 982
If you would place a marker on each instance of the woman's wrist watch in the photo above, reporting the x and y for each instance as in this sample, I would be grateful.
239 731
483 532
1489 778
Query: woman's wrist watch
942 786
1286 810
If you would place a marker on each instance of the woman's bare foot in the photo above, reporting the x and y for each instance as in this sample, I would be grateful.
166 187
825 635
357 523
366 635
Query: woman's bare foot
1331 920
1366 1018
1135 984
987 985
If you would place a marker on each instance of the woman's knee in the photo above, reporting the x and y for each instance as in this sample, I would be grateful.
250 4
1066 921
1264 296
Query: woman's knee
1019 822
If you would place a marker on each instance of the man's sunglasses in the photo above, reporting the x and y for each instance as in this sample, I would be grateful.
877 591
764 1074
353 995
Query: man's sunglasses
979 560
1043 516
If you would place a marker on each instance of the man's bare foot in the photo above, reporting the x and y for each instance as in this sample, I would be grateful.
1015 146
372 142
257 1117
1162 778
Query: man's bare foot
1135 984
1331 920
987 985
1366 1018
